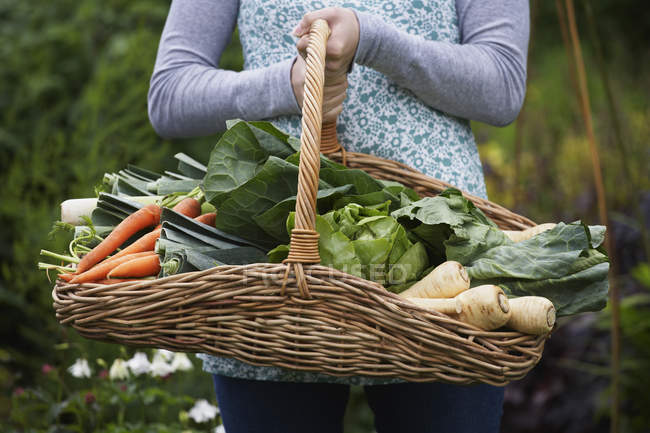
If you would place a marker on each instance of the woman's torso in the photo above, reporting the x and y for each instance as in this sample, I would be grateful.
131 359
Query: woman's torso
379 117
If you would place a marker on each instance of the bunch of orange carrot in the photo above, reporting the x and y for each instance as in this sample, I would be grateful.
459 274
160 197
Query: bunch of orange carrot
137 260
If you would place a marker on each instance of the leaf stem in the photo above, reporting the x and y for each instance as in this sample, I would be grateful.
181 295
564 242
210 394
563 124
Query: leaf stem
67 259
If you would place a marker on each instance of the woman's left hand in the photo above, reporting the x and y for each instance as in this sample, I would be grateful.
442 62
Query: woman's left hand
343 40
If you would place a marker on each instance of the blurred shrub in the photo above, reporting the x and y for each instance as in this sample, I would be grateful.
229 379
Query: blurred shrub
73 87
114 394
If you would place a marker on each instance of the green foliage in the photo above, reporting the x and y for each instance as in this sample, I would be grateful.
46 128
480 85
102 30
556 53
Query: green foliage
635 354
59 401
73 89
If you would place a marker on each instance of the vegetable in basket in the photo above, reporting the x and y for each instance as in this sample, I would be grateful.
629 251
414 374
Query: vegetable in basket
565 264
367 242
486 307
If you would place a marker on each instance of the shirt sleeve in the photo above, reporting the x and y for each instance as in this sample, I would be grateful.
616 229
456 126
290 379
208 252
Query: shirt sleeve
189 95
481 78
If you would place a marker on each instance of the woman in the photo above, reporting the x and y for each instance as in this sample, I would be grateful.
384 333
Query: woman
403 79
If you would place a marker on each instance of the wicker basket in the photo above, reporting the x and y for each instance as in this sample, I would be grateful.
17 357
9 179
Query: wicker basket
299 314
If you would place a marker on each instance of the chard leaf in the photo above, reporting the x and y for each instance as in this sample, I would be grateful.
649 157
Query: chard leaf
450 221
362 181
234 160
574 293
276 181
273 220
279 143
549 255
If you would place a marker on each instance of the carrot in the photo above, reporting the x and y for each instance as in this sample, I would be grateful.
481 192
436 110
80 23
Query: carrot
189 207
137 267
66 277
445 281
145 243
142 218
101 270
207 218
116 280
148 241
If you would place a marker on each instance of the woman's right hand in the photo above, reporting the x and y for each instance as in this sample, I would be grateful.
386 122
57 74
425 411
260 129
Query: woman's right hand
334 91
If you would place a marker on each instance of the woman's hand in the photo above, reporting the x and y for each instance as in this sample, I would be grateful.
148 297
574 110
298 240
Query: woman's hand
334 90
339 53
343 40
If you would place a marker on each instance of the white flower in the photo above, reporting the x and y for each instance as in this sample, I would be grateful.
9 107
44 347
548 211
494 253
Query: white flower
160 367
139 364
80 368
181 362
220 429
119 370
166 354
203 411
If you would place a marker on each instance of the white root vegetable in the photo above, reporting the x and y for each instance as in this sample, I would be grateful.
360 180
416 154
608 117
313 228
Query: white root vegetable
522 235
449 307
532 315
72 210
486 307
444 281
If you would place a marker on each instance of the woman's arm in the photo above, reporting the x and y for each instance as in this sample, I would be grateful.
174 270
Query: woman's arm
189 95
482 78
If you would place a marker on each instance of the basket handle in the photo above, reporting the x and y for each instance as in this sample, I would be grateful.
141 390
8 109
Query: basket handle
303 247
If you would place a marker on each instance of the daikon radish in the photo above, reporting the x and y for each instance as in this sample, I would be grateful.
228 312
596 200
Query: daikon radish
445 281
522 235
485 307
531 315
72 210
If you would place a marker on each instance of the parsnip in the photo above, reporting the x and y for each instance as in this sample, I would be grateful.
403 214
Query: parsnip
522 235
445 281
450 306
532 315
485 307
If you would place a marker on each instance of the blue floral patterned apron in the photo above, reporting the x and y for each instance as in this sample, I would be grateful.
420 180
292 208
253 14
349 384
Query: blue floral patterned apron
379 117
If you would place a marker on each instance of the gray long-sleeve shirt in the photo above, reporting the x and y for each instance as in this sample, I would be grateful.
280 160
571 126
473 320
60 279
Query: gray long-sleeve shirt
483 78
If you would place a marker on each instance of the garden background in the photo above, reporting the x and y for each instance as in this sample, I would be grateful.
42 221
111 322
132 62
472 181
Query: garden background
73 82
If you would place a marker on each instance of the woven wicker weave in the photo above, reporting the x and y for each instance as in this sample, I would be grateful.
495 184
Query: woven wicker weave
299 314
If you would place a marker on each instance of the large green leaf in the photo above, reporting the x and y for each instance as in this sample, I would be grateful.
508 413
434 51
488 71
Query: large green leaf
548 255
234 160
336 250
276 181
450 220
273 220
362 181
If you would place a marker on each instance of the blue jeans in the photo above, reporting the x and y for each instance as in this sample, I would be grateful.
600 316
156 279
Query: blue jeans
251 406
